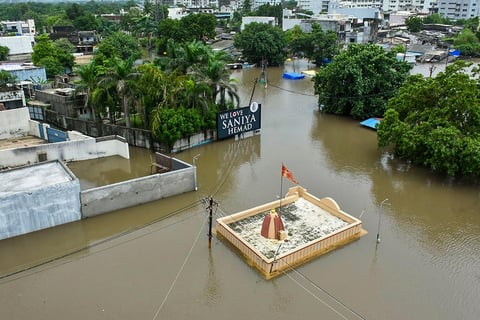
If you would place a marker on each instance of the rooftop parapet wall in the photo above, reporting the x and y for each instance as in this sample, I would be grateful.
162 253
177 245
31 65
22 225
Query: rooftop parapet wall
14 123
88 148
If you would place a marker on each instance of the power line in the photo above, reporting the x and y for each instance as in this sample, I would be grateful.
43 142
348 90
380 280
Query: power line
323 290
179 272
106 240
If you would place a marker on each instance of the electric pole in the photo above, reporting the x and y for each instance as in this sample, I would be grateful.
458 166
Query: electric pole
210 221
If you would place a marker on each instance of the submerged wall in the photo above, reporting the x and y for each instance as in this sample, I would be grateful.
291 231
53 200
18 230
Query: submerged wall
137 191
37 197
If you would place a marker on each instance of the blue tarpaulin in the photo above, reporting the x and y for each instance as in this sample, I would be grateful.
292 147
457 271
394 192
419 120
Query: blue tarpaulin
454 53
371 123
293 75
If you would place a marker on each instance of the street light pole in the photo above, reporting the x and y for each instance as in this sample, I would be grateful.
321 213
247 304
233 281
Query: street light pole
195 172
380 219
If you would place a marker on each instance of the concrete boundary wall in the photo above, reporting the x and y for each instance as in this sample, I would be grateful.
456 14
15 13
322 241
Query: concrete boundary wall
136 191
75 150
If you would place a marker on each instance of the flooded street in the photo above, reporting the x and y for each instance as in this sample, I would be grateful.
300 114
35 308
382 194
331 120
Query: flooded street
153 261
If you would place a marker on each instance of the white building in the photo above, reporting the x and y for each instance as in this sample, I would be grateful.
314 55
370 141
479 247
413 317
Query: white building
459 9
19 28
247 20
387 5
196 3
19 46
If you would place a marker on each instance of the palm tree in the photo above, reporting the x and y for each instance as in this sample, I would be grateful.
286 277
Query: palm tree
89 79
217 76
123 75
104 96
182 57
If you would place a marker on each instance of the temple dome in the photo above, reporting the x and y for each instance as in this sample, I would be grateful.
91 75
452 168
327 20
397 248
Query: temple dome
272 225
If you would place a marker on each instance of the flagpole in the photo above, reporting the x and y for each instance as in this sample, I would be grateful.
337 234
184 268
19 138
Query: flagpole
281 192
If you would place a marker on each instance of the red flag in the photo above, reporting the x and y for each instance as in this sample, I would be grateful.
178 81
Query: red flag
287 174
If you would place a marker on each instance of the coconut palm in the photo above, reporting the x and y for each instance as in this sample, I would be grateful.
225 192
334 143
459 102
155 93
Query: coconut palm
89 78
105 98
217 76
123 74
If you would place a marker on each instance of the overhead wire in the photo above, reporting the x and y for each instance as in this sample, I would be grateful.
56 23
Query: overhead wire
322 290
103 241
179 271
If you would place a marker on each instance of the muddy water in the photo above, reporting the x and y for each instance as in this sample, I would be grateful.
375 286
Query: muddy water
153 261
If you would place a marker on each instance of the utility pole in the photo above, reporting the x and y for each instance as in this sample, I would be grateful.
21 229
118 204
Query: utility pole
210 218
380 219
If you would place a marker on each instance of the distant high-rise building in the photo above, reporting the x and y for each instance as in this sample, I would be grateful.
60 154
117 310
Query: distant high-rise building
459 9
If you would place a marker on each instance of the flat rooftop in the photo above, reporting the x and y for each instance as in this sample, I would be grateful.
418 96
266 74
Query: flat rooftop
32 177
313 227
20 142
304 222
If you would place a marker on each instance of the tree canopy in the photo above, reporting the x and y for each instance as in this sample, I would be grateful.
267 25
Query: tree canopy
56 56
468 43
262 42
317 46
359 81
4 51
435 122
6 78
414 23
117 45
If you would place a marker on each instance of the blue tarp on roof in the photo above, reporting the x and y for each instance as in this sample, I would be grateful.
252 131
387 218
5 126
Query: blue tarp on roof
293 75
371 123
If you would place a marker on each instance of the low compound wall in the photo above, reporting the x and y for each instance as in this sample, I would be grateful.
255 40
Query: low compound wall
138 191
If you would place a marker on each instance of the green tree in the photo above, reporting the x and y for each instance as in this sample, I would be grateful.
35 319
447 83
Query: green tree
247 7
199 26
297 41
267 10
170 125
56 57
6 78
123 75
117 45
435 122
87 21
4 51
321 45
262 42
359 81
223 89
468 43
435 18
414 23
89 75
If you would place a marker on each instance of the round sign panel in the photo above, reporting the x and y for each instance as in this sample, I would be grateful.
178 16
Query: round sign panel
254 107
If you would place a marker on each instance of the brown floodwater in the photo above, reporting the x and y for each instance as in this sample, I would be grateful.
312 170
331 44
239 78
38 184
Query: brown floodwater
153 262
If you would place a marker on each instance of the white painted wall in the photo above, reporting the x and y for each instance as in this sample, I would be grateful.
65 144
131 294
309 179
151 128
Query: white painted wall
14 123
65 151
18 44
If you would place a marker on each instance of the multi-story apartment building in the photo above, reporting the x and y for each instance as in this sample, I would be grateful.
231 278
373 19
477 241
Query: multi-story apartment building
459 9
389 5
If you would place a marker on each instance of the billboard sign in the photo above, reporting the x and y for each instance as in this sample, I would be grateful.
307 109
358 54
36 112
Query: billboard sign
238 121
